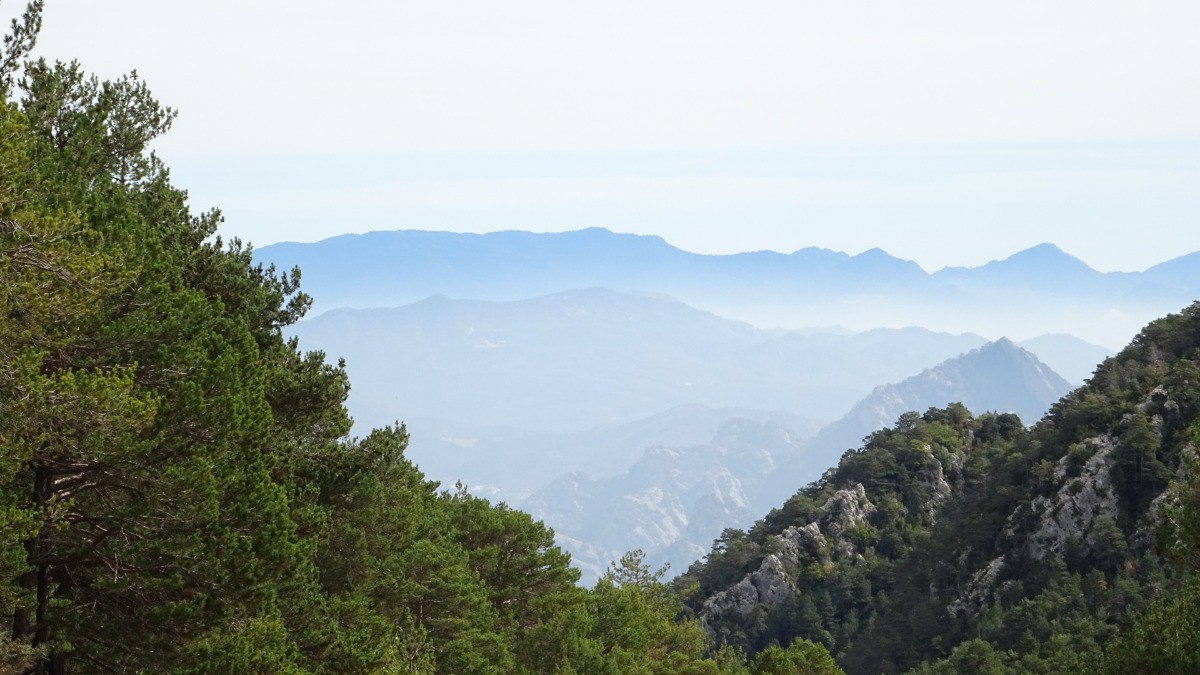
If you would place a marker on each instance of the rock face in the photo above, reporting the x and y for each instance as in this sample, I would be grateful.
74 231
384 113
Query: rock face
820 541
1085 496
769 585
978 590
1072 511
935 477
847 508
796 543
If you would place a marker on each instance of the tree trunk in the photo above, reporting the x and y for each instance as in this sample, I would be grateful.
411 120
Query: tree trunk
37 580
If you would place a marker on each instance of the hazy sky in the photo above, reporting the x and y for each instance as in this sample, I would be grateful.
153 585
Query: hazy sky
947 132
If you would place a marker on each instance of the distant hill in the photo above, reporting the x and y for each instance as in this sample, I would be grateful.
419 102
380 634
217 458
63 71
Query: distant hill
508 464
506 395
1043 267
997 377
581 359
672 503
675 500
1040 290
383 269
1067 355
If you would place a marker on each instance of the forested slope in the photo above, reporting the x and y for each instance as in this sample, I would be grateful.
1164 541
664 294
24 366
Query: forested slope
950 541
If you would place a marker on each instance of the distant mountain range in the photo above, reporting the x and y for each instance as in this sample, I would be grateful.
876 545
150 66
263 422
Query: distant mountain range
507 463
581 359
674 501
506 395
1036 291
671 503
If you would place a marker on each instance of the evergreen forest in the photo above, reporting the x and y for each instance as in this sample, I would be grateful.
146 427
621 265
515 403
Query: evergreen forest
180 493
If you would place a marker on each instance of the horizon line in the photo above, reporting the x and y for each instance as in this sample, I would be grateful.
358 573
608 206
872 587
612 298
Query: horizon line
849 255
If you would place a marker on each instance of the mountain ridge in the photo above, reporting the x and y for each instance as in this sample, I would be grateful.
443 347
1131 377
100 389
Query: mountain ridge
1035 291
997 377
1042 252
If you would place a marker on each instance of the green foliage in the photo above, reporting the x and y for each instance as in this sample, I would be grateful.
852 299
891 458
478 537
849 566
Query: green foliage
18 43
637 624
800 658
1164 640
177 492
972 656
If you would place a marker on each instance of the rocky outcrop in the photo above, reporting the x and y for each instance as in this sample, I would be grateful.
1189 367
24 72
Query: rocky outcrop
1084 497
1067 515
845 509
1072 511
978 590
769 586
1162 506
940 490
820 541
798 543
771 582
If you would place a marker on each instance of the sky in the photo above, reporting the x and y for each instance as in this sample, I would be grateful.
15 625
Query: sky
949 132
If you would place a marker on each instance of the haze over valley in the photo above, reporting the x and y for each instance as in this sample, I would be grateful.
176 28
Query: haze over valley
623 418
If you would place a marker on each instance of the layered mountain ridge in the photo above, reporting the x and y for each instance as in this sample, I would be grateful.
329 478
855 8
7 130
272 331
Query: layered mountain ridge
1035 291
494 390
674 501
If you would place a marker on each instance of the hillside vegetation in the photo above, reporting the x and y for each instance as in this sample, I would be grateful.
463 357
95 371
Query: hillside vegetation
950 541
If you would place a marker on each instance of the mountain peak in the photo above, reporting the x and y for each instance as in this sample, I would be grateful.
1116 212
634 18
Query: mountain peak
1044 248
1001 343
879 259
1040 256
876 253
1044 262
1003 348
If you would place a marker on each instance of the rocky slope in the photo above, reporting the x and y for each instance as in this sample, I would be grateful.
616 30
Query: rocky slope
1034 546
